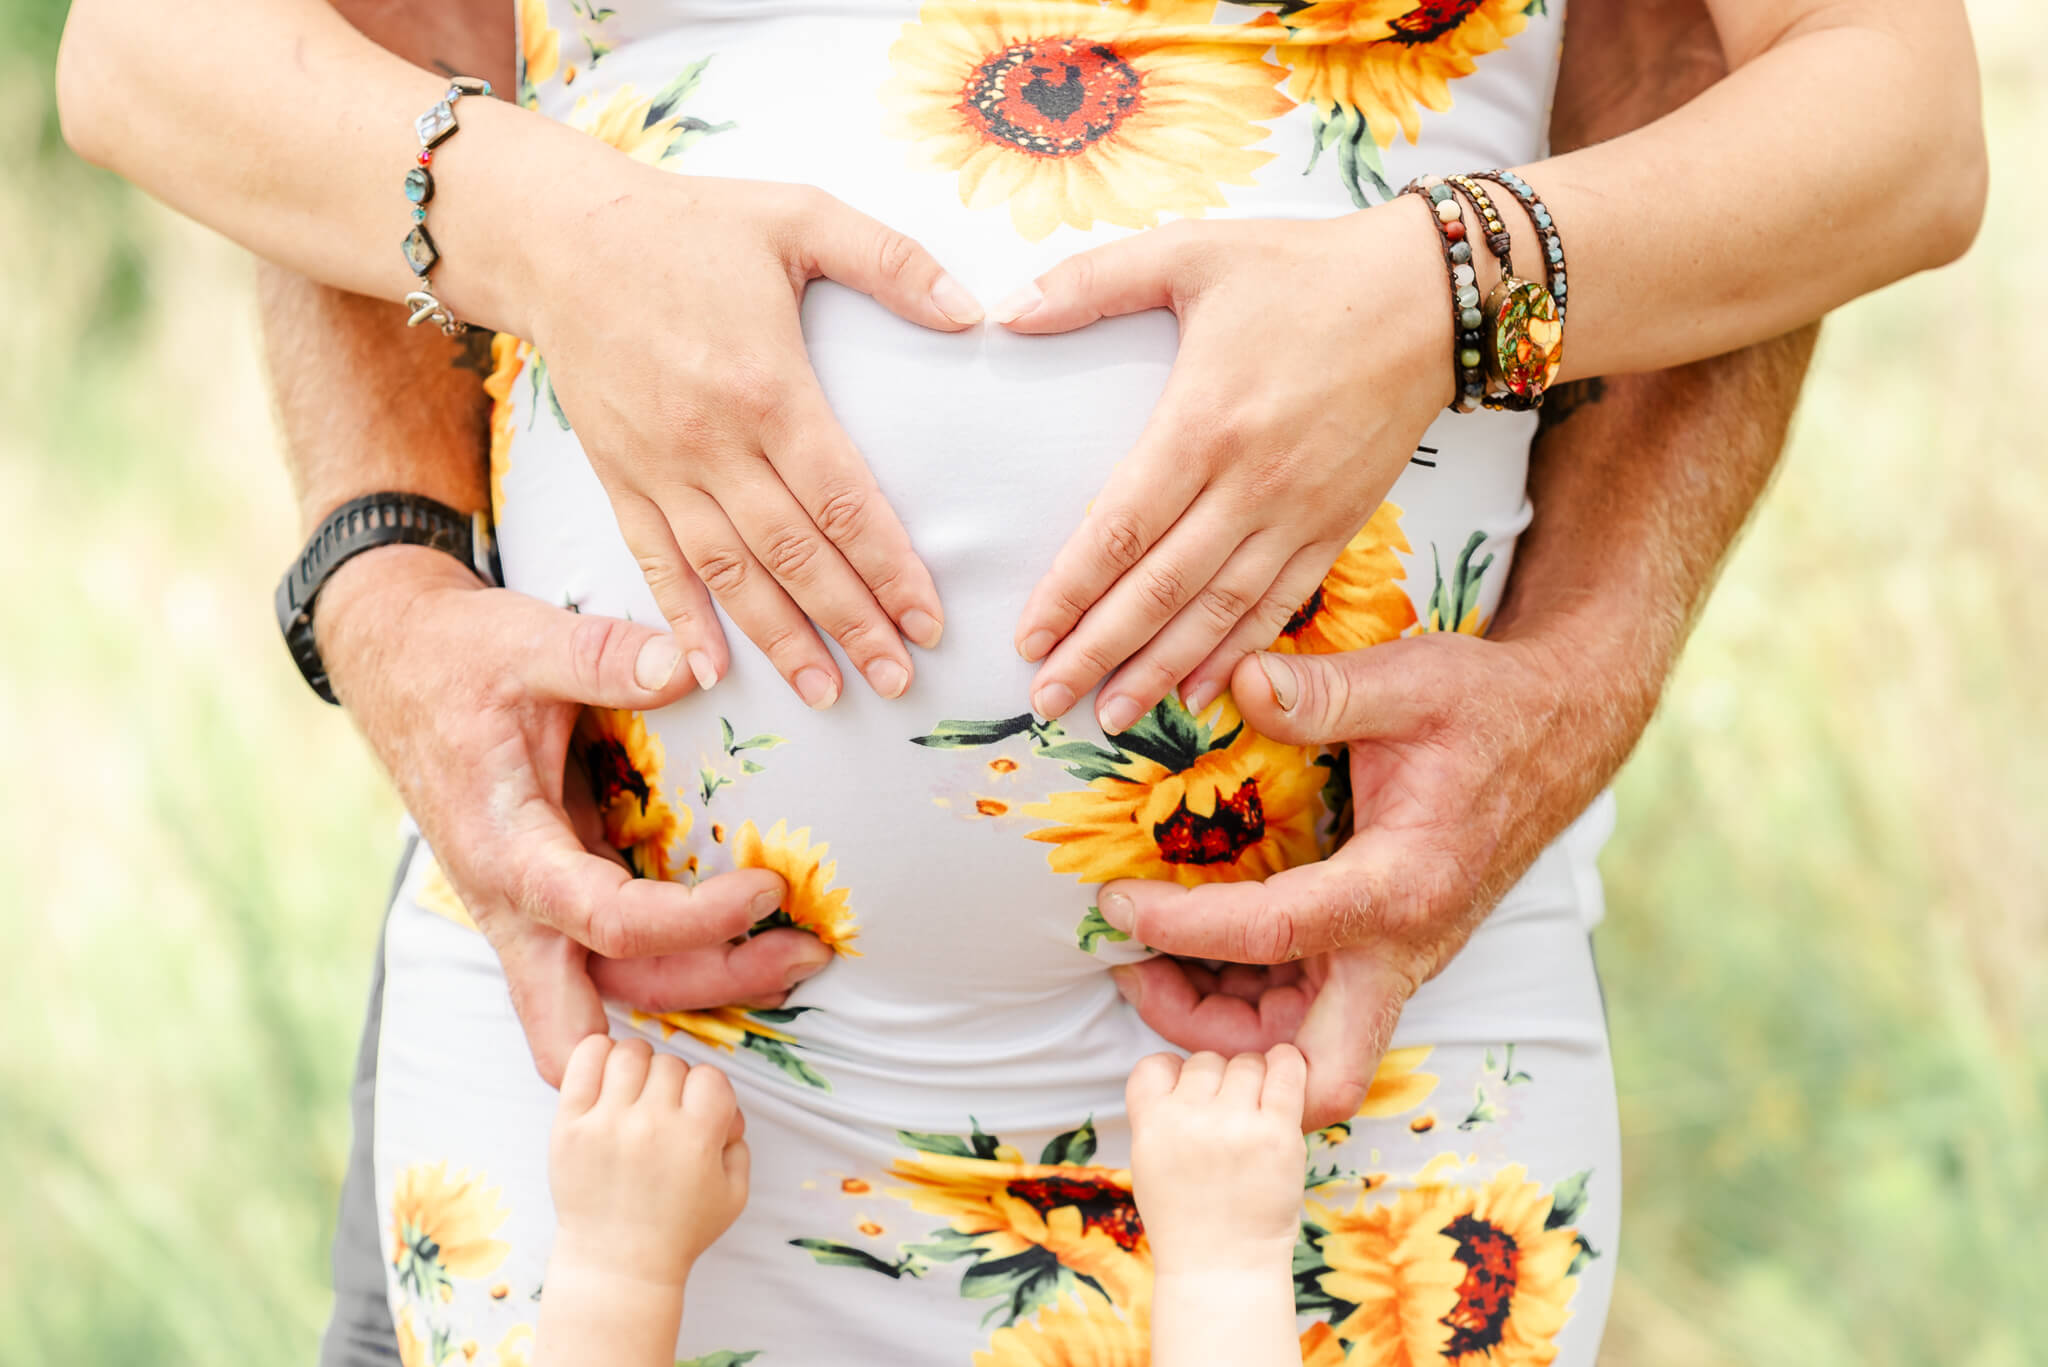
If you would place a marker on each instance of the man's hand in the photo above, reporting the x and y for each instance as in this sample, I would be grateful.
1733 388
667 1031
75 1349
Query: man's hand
1466 759
469 696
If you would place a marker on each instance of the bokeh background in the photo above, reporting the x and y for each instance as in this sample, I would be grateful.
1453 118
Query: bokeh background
1829 894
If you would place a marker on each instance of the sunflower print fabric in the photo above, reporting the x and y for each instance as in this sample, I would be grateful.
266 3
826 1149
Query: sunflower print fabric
940 1160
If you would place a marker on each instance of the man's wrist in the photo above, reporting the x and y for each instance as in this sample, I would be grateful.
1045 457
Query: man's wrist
374 587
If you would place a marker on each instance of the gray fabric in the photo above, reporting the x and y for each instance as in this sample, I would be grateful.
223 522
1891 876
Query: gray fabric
360 1333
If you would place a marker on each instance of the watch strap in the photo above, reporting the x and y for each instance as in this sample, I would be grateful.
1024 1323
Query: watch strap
362 524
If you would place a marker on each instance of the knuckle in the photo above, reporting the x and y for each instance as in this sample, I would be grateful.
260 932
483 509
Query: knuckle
1163 588
792 553
592 642
1225 605
1121 540
896 257
844 514
1269 936
723 570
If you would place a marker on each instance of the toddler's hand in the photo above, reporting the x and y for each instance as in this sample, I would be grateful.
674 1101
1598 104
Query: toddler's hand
1217 1157
648 1161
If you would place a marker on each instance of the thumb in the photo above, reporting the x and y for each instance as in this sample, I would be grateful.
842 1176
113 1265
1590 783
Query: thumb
1130 275
1347 1030
1369 694
598 661
548 976
846 245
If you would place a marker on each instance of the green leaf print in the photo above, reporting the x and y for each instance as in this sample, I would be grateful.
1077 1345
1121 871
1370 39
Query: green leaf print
598 50
1450 604
1358 156
1024 1282
764 741
1586 1254
689 132
1075 1146
1309 1270
846 1255
544 393
1168 736
710 782
1510 1074
1483 1111
778 1015
717 1359
783 1057
1567 1200
963 735
975 1145
1093 930
948 1245
1536 7
671 96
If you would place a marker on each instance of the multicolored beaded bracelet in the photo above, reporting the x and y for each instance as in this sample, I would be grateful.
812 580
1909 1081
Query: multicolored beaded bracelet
434 127
1524 327
1546 229
1467 363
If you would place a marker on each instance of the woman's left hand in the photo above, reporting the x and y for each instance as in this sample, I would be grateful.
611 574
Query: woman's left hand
1313 356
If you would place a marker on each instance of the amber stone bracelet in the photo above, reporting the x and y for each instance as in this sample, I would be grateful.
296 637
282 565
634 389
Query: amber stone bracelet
1546 230
1524 326
1467 361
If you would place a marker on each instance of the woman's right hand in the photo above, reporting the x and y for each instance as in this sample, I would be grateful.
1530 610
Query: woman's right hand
667 309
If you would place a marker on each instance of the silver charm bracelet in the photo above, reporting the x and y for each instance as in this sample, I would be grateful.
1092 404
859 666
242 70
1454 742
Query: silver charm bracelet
434 127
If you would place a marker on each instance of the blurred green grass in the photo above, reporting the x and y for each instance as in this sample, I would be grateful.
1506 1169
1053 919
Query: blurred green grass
1829 894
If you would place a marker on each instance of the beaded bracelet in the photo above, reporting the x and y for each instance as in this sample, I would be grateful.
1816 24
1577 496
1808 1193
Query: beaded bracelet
1498 240
1524 332
434 127
1467 363
1539 214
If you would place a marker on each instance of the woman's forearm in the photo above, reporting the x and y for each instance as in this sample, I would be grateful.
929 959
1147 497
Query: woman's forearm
1839 154
281 126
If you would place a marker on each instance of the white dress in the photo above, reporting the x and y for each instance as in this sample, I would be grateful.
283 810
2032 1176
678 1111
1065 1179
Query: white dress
936 1118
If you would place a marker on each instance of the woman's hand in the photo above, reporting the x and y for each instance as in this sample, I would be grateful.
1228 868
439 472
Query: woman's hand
1313 355
666 308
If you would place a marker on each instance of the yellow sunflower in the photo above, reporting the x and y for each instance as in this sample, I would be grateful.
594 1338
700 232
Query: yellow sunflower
438 895
1084 1216
441 1225
516 1348
1074 1333
1451 1273
722 1027
540 47
1360 601
621 121
1245 811
1397 1086
812 904
1320 1347
624 760
1074 112
1385 57
508 358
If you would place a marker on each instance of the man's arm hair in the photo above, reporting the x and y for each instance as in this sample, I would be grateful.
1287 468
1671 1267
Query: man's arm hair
1641 482
365 403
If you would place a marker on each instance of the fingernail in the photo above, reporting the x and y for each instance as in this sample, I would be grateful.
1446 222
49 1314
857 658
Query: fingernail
764 904
888 678
701 666
1117 714
1280 674
1128 984
1117 910
1036 645
1199 697
1017 303
1053 700
814 958
656 663
951 298
816 687
922 628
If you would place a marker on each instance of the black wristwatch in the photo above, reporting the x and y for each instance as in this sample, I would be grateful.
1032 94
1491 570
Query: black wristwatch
363 524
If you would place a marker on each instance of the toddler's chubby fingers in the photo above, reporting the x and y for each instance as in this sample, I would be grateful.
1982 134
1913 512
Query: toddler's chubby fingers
625 1072
1151 1082
1200 1076
1243 1078
583 1078
1286 1083
709 1102
665 1078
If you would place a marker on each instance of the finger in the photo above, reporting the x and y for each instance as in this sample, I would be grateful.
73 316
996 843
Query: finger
709 1102
817 577
684 602
857 251
1132 612
1244 1077
1390 690
1286 1083
1144 495
1285 598
584 1075
737 1130
749 594
1295 913
1212 612
1347 1030
602 661
1126 276
1150 1081
551 993
1200 1076
665 1074
625 1072
1178 1011
819 462
739 1164
758 971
